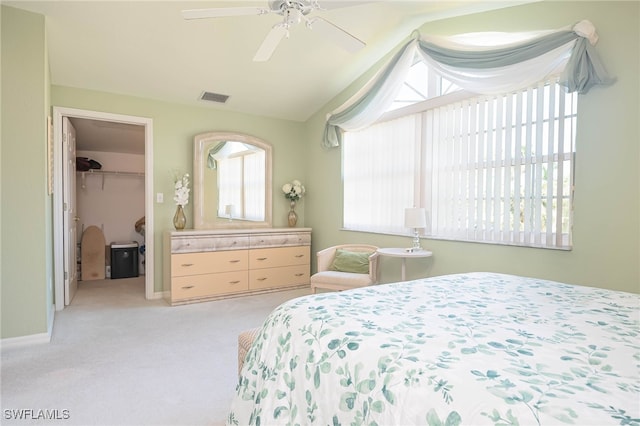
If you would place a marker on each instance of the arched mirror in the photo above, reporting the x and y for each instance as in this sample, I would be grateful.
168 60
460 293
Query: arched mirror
232 181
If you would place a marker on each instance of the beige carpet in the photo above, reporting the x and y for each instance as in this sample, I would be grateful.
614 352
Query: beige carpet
118 359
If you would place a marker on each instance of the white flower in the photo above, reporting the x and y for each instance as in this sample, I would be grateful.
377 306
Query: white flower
181 186
293 191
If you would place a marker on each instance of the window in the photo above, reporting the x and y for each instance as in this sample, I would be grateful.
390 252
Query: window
421 85
495 169
379 175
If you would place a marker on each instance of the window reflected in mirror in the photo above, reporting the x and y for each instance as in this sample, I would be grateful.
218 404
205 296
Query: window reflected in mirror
240 177
232 185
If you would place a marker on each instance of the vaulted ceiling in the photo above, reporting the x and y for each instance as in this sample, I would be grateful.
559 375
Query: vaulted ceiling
147 49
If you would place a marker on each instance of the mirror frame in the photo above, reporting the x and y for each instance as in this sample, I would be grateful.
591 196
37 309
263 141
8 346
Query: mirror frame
201 144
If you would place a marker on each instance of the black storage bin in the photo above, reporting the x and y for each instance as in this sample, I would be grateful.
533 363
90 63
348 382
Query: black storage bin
124 260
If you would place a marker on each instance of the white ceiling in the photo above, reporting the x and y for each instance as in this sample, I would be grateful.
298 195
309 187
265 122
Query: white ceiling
147 49
106 136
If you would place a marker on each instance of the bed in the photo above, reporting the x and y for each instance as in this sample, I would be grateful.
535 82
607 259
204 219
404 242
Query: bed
477 348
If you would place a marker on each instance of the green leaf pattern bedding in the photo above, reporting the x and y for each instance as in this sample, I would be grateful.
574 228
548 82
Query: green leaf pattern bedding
478 348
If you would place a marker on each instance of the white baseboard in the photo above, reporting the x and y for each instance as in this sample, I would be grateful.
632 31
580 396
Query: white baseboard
50 320
31 339
21 341
159 295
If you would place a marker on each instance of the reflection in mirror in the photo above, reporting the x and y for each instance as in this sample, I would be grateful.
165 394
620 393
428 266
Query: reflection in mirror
232 181
240 177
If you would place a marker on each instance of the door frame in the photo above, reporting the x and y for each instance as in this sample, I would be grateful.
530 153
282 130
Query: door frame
58 213
70 216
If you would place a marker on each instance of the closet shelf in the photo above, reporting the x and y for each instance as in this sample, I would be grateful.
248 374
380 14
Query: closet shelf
104 173
111 172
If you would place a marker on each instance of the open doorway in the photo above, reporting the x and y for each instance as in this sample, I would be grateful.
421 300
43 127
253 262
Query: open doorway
101 127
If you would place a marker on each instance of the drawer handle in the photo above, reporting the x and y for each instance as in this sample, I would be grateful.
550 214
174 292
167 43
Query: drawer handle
261 279
299 255
234 261
262 258
187 287
234 282
186 265
299 275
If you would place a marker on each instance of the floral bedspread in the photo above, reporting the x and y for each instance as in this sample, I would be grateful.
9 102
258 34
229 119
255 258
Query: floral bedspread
471 349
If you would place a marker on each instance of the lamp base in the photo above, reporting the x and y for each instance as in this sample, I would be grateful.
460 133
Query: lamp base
416 242
413 249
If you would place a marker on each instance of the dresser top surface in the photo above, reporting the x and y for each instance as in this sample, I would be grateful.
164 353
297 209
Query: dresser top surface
214 232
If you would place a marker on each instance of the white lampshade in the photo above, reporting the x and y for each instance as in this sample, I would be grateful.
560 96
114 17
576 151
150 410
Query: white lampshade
415 217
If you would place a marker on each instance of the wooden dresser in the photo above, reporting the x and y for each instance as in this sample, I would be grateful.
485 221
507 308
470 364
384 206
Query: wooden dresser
202 265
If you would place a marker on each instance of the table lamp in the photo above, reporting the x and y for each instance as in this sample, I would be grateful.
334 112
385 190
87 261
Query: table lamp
228 209
415 217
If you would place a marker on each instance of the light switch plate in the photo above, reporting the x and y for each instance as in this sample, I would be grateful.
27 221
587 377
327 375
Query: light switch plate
160 197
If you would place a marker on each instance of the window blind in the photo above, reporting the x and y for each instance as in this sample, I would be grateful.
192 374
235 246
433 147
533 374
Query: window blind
502 167
380 165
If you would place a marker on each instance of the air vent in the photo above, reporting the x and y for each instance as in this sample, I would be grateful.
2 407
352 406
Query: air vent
214 97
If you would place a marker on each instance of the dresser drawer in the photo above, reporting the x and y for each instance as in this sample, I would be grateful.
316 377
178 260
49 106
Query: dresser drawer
277 257
278 277
280 240
209 243
208 285
208 262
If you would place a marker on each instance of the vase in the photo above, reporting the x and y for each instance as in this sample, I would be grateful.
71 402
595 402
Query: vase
292 217
179 219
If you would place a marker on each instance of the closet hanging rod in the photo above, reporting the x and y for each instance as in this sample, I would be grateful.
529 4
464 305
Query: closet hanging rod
104 173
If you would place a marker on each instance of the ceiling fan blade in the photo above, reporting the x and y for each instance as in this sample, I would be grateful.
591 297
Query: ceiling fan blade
327 29
340 4
221 12
268 46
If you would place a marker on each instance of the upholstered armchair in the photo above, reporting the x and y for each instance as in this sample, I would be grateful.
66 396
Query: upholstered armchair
346 266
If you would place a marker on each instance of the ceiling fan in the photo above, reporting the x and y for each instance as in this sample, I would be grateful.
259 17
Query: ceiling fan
293 12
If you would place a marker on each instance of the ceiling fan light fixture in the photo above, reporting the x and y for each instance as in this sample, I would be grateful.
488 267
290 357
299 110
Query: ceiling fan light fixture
293 12
292 17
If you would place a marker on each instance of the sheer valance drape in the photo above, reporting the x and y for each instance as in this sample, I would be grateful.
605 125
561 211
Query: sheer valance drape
484 63
212 163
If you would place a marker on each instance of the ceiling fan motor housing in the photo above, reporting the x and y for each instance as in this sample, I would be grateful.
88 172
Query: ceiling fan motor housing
283 6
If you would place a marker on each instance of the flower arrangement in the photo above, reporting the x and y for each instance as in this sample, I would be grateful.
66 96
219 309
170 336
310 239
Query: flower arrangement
293 191
181 196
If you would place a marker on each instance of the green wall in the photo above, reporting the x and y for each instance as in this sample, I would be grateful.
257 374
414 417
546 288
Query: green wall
607 213
174 127
26 274
606 250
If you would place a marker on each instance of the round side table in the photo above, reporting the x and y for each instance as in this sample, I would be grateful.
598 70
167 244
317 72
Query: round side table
404 254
